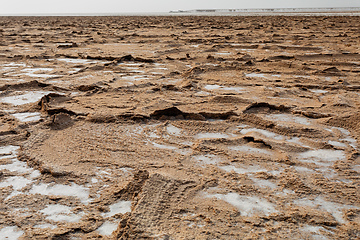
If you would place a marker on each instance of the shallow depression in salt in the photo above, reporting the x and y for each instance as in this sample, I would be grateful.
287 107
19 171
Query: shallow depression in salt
247 205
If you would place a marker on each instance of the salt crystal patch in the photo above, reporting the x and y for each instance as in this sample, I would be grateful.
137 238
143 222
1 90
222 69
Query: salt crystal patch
211 135
247 169
173 130
27 117
264 183
107 228
162 146
9 150
16 182
289 118
335 209
322 156
25 98
11 233
207 159
251 150
74 190
47 225
119 207
263 132
337 144
247 205
60 213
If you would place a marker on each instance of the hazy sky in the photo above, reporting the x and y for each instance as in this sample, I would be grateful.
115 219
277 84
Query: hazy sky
117 6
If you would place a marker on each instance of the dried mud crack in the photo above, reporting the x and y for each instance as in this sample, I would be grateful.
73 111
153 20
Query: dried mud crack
179 127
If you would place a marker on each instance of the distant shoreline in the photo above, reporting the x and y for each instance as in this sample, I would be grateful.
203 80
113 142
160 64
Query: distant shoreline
354 11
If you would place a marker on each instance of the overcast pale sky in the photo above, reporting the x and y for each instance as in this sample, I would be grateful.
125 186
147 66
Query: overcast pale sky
118 6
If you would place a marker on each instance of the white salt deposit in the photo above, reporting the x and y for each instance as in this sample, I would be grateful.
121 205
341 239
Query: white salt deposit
247 205
207 159
107 228
250 150
335 209
337 144
16 166
323 157
119 207
135 78
263 183
162 146
77 60
16 182
11 233
223 88
74 190
60 213
318 91
252 75
24 98
27 117
265 133
46 225
244 170
211 135
289 118
9 150
173 130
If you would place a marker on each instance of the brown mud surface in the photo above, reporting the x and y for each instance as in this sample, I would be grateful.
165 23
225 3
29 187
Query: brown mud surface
180 127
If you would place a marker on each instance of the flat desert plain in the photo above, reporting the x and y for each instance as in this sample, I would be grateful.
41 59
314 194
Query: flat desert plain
180 127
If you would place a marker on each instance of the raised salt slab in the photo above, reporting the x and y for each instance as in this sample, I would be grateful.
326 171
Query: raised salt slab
119 207
247 205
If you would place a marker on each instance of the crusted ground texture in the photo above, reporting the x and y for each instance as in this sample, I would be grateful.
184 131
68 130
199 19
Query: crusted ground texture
180 127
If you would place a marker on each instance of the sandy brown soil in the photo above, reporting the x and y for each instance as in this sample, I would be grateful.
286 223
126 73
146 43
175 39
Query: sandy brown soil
179 127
